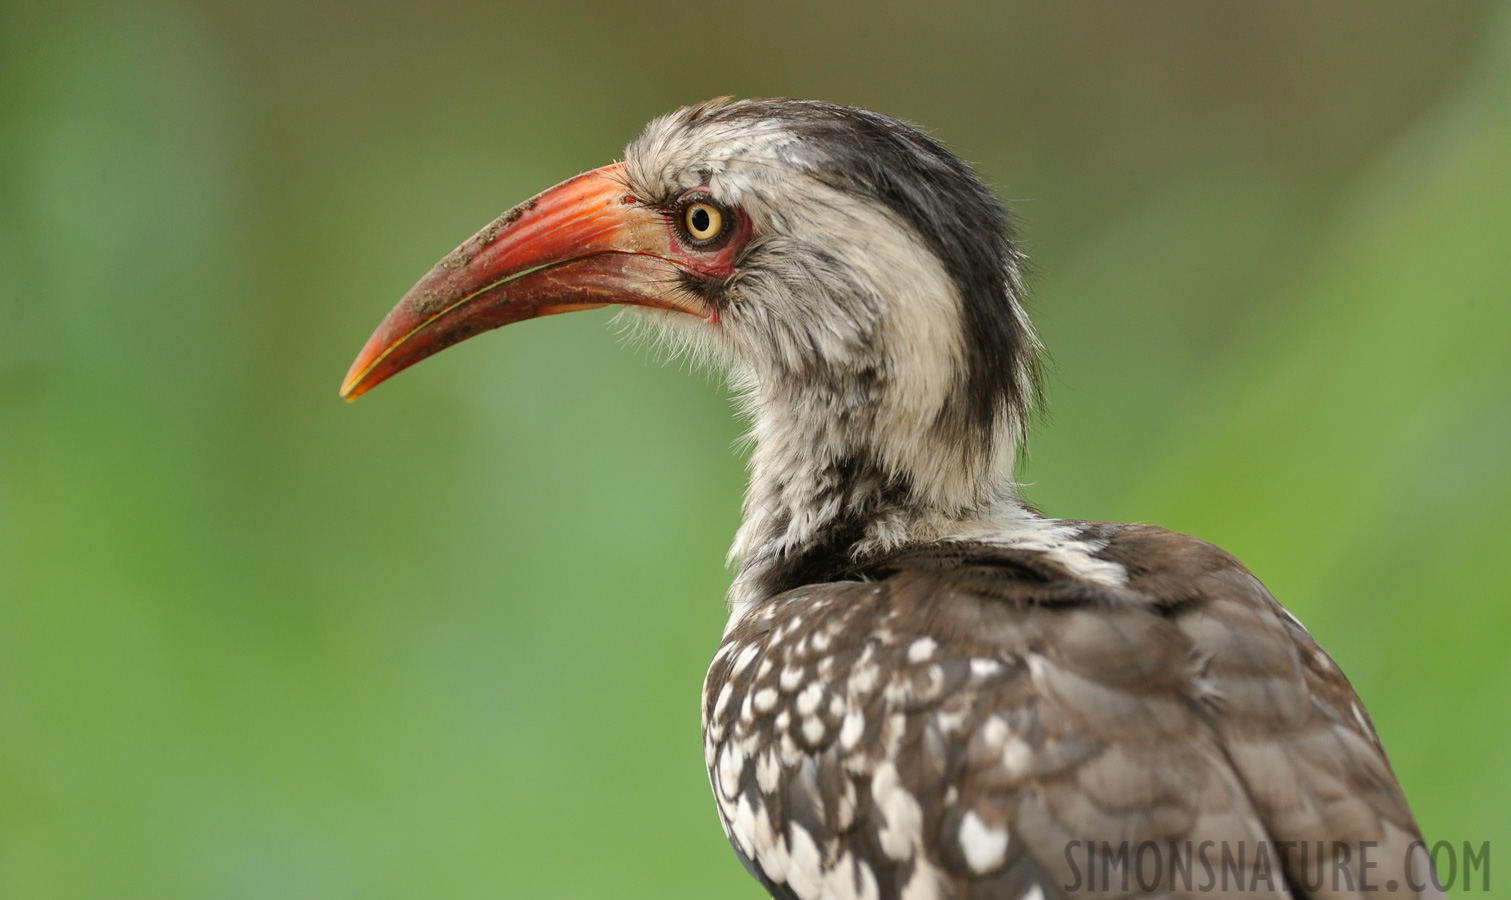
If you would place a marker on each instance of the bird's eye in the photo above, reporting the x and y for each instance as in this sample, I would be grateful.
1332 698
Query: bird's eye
703 221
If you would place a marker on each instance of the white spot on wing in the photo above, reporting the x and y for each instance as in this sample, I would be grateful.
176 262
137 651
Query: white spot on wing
868 888
839 880
984 847
849 879
950 722
994 732
731 765
985 668
851 729
1016 755
900 812
846 810
743 825
863 679
924 885
1358 712
746 657
809 699
768 771
813 729
1323 661
805 873
770 847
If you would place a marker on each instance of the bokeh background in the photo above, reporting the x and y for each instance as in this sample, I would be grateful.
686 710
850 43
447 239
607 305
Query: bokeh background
448 642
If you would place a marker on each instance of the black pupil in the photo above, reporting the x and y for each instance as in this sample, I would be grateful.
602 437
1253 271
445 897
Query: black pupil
700 220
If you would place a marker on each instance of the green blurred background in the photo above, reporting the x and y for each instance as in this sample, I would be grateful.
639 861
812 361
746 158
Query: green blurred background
448 642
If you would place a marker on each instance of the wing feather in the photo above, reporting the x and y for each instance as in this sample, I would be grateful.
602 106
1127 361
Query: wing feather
975 722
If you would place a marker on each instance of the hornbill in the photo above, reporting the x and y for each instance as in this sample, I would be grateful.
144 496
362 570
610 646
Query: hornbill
927 689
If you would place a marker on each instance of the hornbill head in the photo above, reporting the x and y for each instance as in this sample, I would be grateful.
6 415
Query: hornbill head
856 279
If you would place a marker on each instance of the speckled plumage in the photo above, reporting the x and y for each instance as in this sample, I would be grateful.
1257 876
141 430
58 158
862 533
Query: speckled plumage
946 723
926 690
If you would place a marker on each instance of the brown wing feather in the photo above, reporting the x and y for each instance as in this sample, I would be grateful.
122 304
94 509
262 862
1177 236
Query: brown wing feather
978 723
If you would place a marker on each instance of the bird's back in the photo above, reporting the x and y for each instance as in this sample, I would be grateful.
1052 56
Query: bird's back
973 720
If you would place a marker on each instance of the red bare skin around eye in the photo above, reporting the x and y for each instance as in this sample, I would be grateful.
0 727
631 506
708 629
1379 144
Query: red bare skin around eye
715 262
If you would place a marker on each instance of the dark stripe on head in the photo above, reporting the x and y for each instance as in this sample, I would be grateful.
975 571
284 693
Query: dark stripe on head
961 221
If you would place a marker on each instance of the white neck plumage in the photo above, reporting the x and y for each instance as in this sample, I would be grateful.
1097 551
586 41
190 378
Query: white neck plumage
832 488
826 489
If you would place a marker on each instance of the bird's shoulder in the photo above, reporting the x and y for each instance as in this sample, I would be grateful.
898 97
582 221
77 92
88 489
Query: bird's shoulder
960 716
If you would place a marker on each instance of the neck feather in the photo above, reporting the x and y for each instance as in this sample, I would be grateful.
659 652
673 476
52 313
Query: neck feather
829 492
